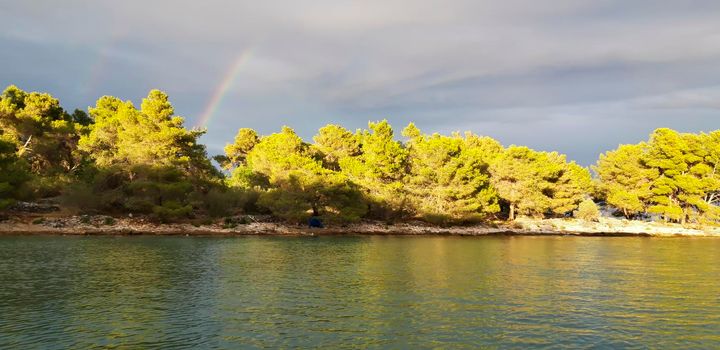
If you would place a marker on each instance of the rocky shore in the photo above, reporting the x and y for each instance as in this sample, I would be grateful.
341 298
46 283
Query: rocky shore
58 224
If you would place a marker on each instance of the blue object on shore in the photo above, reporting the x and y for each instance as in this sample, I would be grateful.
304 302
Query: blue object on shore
315 222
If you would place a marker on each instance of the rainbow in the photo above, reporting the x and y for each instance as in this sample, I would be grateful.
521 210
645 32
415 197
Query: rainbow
222 89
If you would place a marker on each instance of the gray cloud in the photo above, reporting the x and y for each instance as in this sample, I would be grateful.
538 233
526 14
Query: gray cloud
571 75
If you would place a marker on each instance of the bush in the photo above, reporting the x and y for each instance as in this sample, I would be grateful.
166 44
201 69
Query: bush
44 187
5 202
81 196
219 202
171 210
13 173
437 219
445 220
164 192
587 211
229 223
295 200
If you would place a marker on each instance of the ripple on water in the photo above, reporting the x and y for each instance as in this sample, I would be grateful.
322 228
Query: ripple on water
386 292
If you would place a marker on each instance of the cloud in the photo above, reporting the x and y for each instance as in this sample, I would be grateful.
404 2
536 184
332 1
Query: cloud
706 98
530 72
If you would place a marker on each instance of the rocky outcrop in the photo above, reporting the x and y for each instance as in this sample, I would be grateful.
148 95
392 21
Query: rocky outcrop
246 225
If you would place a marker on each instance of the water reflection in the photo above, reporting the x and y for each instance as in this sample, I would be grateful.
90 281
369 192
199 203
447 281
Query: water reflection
389 292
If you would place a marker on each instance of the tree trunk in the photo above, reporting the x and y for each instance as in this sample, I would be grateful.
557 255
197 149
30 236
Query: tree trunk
512 212
315 210
24 147
683 220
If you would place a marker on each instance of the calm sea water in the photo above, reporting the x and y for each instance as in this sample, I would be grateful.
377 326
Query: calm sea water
359 292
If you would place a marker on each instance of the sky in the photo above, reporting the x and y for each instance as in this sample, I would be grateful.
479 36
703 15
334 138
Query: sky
574 76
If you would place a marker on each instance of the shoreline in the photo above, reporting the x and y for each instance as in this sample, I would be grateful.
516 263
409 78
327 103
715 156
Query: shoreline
107 226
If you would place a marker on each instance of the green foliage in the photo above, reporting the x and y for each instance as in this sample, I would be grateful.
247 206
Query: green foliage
245 141
80 117
162 192
449 178
171 210
334 143
123 159
43 133
679 160
124 135
298 184
245 178
380 170
13 173
625 180
156 189
298 198
588 211
673 174
384 159
219 201
143 161
568 190
277 155
538 183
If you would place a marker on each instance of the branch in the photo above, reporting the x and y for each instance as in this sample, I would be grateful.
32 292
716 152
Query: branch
25 147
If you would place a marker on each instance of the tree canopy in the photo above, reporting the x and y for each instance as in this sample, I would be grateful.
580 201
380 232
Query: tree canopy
673 175
45 135
119 158
449 177
539 183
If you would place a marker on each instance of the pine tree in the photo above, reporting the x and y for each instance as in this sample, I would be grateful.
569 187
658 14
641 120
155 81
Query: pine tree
298 184
335 143
13 173
449 178
380 170
678 191
44 134
538 183
237 152
124 135
625 178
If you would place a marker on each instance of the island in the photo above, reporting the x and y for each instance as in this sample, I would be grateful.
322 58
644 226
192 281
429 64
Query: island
119 169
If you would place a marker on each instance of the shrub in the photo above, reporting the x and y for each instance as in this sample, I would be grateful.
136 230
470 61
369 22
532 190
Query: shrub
587 211
437 219
448 220
171 210
219 202
13 173
229 225
81 196
44 187
296 199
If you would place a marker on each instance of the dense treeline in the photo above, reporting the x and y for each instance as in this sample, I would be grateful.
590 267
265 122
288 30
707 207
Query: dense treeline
121 159
673 175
